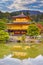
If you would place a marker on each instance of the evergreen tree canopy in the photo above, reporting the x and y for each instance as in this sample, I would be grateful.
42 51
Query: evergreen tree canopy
4 36
2 25
33 30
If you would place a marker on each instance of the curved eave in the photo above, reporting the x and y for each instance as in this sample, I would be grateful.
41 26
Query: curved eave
22 17
19 16
20 23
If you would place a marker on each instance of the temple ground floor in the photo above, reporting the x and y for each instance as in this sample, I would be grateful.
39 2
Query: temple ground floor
17 32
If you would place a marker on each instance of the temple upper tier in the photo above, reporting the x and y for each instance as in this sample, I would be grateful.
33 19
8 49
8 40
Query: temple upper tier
21 18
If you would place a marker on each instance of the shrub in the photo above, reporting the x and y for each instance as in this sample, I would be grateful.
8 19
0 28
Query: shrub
4 36
33 30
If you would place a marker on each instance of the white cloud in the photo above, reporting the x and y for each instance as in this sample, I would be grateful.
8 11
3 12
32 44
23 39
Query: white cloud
2 1
19 4
36 10
35 7
16 5
41 1
40 5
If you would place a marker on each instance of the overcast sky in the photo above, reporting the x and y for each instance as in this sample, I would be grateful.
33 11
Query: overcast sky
15 5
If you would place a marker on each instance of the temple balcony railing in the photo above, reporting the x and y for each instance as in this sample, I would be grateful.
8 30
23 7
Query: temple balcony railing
20 23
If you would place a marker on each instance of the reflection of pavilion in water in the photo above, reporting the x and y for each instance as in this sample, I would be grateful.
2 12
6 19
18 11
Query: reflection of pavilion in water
19 25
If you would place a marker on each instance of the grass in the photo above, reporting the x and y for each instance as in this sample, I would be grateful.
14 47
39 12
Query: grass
20 50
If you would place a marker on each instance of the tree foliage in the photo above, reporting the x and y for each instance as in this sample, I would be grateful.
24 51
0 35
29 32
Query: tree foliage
2 25
33 30
35 17
4 36
23 38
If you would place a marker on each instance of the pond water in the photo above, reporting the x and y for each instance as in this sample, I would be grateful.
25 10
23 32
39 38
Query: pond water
30 61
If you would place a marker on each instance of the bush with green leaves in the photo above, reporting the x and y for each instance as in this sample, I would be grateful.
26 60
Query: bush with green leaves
4 36
2 25
33 30
23 38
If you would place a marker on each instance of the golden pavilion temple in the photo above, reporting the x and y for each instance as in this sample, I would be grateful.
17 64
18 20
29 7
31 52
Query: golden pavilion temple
19 25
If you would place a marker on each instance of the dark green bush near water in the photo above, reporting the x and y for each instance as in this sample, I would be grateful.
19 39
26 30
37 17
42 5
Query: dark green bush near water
33 30
4 36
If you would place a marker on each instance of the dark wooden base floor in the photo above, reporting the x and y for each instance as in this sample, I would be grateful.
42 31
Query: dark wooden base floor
17 31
